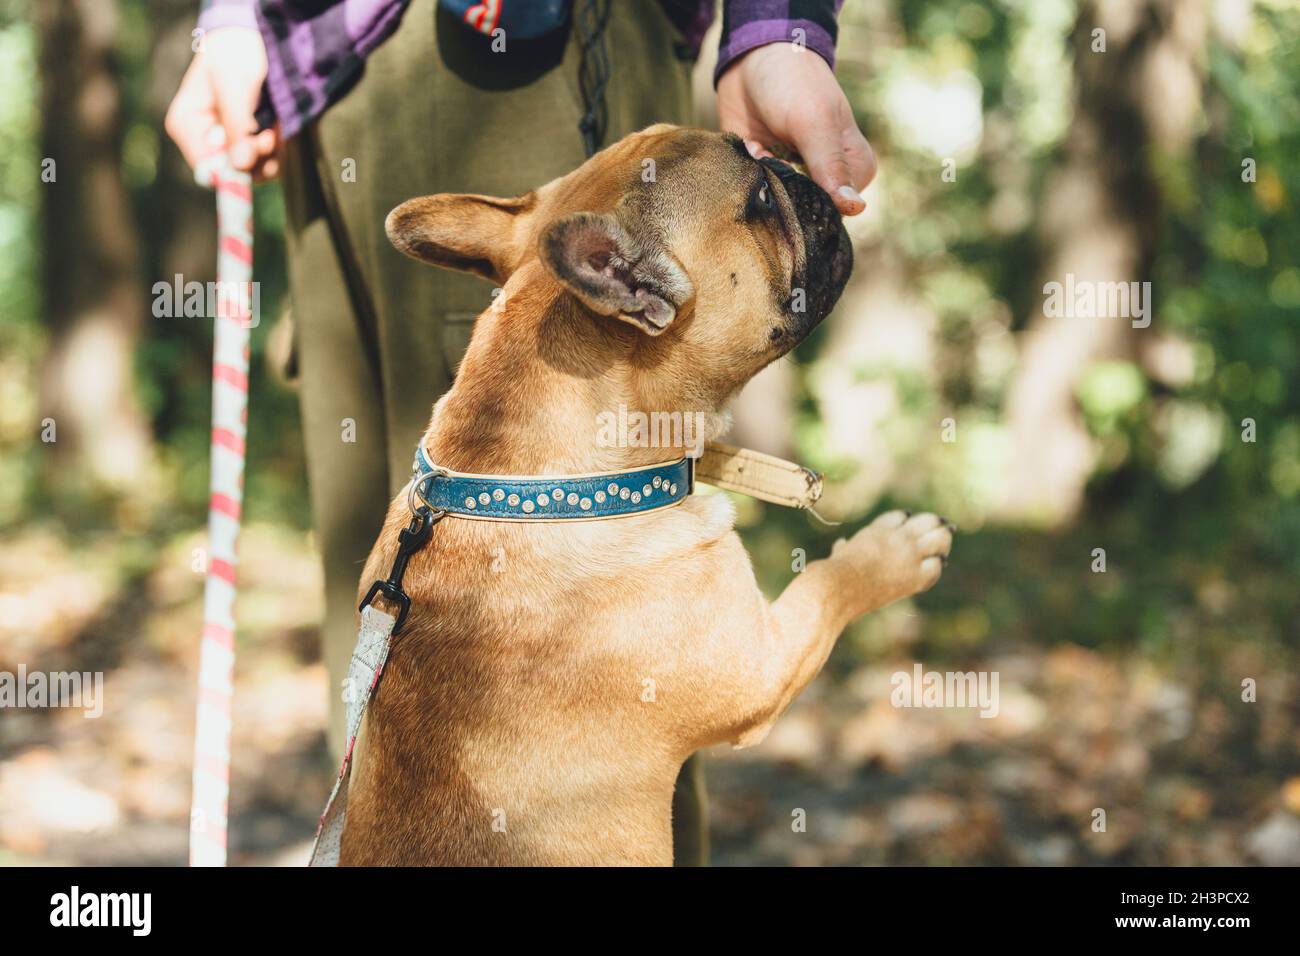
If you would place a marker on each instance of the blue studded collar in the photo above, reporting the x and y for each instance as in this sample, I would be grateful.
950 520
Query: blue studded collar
564 497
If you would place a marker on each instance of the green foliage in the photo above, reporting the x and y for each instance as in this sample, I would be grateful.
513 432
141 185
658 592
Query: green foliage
984 92
1177 492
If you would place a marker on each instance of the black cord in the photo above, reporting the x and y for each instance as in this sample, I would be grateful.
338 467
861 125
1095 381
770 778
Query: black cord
590 17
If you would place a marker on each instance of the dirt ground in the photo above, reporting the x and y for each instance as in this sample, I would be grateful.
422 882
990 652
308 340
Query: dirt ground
845 778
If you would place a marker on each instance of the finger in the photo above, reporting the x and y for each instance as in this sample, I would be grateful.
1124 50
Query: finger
819 138
267 169
741 121
266 142
254 151
269 159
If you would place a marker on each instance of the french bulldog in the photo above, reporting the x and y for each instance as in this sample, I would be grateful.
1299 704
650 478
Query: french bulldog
553 677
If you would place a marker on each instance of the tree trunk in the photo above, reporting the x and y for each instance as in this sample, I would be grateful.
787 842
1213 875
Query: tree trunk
93 296
1099 222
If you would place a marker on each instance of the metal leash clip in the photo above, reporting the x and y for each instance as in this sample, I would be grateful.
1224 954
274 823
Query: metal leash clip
409 541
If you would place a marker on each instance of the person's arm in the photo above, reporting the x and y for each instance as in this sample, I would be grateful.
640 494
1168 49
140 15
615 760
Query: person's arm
222 87
776 84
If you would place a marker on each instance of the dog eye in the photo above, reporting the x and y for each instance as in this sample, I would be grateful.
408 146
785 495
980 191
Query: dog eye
761 202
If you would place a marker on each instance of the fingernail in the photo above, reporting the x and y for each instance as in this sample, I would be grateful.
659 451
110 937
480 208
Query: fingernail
851 194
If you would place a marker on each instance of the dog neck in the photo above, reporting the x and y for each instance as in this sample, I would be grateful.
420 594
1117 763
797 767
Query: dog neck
548 387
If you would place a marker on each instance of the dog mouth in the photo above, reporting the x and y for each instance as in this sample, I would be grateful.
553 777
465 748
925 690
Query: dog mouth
828 252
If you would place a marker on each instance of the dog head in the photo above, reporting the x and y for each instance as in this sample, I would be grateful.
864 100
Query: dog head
676 239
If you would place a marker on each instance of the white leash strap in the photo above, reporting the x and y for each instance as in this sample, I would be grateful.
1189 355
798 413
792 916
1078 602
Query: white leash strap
757 475
368 657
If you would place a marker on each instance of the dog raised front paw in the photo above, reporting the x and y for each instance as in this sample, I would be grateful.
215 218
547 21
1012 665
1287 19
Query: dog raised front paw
897 555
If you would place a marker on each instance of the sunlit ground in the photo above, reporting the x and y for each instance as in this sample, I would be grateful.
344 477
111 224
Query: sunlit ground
1186 774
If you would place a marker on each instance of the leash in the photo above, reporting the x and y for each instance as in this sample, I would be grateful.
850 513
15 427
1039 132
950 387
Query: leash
435 493
760 476
231 325
591 17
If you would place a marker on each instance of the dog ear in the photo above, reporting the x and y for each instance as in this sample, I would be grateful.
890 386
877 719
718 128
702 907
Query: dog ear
461 231
613 272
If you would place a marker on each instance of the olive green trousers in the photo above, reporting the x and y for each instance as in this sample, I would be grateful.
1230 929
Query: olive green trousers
378 336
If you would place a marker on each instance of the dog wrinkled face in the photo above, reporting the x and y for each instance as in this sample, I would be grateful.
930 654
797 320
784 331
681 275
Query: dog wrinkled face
679 233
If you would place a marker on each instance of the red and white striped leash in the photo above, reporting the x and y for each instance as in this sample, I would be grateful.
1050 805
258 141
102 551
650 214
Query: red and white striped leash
230 356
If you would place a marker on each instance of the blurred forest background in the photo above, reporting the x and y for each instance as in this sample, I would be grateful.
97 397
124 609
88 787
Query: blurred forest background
1013 152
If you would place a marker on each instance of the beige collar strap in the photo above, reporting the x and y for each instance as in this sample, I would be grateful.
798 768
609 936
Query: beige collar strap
760 476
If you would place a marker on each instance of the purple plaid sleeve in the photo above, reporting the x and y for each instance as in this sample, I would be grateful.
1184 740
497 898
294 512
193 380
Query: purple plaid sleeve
215 14
747 24
315 51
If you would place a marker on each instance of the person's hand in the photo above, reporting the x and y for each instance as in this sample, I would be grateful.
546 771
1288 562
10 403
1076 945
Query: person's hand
779 93
221 88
